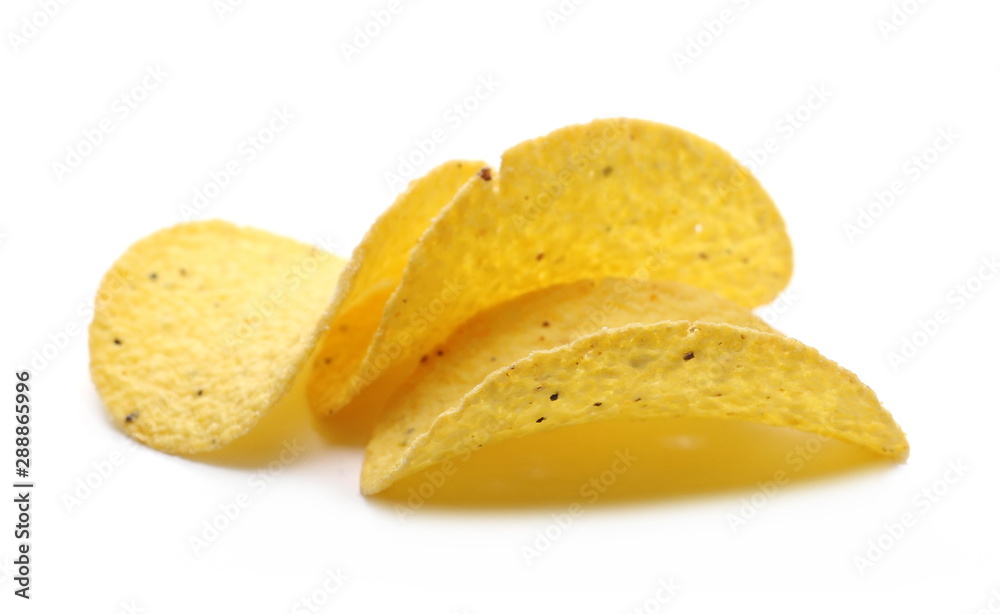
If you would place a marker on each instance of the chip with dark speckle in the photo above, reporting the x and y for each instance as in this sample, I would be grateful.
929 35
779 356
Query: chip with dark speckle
199 329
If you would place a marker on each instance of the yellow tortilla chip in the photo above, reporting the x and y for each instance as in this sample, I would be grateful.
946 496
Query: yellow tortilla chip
375 268
641 371
508 332
613 198
202 327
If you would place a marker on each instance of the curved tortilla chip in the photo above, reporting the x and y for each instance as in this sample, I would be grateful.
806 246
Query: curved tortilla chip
505 334
200 328
667 369
375 268
613 198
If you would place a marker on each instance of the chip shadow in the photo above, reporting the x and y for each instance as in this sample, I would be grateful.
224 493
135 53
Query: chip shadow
622 461
289 423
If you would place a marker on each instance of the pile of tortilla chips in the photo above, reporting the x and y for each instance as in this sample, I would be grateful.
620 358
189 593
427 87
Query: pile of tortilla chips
604 271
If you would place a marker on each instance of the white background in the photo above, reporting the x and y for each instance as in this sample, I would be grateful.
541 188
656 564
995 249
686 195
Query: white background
888 94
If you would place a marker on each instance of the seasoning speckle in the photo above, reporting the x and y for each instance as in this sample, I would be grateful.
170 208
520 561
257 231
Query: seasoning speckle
555 395
423 358
486 173
200 392
540 256
440 352
689 356
132 416
118 341
597 404
607 171
545 324
153 276
540 419
183 272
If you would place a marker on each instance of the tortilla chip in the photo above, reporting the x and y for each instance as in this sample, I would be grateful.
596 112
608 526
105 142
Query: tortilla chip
642 371
374 271
200 329
613 198
507 333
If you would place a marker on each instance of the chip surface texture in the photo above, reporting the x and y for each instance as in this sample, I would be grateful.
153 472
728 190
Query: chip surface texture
611 198
661 370
199 329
